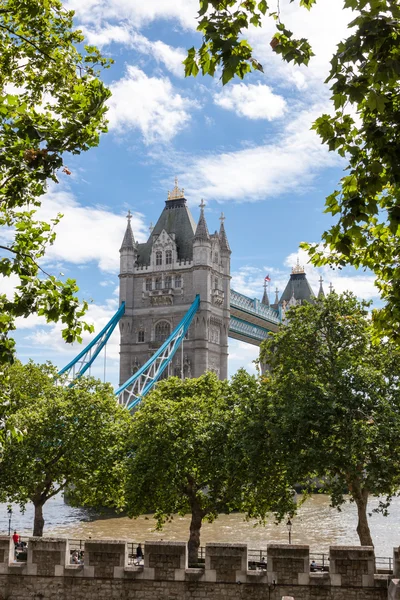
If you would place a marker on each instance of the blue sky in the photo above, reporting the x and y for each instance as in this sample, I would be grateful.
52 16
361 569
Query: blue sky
247 149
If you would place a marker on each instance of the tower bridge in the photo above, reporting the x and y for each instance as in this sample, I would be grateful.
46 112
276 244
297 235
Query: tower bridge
177 308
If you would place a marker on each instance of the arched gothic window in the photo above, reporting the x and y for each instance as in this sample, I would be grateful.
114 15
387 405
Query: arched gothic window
162 331
158 258
168 257
148 285
178 281
216 257
168 282
158 283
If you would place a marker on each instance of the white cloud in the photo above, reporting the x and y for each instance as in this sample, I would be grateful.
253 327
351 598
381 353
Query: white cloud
149 104
251 101
290 161
248 281
181 12
87 233
102 36
163 53
241 355
170 57
8 284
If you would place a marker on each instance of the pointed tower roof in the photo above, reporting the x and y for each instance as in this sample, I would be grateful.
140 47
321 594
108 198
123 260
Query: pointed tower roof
129 240
202 229
321 293
297 287
176 219
265 299
223 240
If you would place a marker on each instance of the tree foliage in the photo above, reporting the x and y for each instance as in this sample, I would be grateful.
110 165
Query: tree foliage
52 104
73 438
222 23
186 455
364 80
332 403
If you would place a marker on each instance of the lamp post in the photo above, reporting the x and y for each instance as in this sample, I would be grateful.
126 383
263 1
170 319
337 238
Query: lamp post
9 512
289 528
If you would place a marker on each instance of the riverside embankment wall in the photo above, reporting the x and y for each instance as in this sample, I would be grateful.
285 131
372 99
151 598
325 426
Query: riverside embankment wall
165 575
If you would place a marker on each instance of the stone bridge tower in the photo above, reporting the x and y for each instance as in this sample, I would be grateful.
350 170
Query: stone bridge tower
159 281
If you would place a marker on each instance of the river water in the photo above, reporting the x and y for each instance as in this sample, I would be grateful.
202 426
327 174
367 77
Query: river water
316 524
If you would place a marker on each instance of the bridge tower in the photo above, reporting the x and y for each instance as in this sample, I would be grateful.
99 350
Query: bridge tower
159 280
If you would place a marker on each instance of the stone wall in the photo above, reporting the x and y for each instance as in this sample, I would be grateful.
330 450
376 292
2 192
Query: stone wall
165 575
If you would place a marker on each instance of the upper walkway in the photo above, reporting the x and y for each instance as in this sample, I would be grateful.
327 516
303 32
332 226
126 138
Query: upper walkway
251 321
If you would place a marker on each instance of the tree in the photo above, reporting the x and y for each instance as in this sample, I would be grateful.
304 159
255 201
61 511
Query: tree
73 437
186 456
178 462
332 403
52 104
364 80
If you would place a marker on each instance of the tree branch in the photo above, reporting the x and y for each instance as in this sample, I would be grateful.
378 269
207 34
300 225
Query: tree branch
27 256
21 37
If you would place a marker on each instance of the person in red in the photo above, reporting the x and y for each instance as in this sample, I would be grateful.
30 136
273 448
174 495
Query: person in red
15 538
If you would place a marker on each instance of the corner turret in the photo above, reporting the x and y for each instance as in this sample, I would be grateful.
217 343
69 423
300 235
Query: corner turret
128 250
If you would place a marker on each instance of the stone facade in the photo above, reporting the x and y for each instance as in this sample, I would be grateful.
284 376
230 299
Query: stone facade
165 574
158 283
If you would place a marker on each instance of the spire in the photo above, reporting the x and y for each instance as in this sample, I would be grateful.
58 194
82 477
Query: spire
321 293
202 229
265 299
330 288
176 193
297 268
129 240
223 240
276 296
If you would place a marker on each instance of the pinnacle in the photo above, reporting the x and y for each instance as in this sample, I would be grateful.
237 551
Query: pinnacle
223 240
202 229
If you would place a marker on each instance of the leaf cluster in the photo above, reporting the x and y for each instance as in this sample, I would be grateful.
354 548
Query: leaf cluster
364 78
332 399
223 23
189 445
73 437
52 103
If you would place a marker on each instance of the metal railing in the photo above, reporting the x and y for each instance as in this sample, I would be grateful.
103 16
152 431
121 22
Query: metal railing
254 306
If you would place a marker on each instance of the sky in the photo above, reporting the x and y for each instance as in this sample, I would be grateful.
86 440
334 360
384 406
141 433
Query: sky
246 148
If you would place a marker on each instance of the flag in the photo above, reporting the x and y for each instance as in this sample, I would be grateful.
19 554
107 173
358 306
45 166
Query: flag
267 278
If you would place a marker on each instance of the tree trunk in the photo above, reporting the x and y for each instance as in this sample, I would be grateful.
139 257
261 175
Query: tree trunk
363 527
195 526
360 495
38 523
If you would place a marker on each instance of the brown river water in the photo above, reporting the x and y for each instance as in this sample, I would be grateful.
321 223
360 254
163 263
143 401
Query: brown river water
316 524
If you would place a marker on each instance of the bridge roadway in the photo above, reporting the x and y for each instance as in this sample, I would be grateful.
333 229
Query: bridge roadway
251 321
